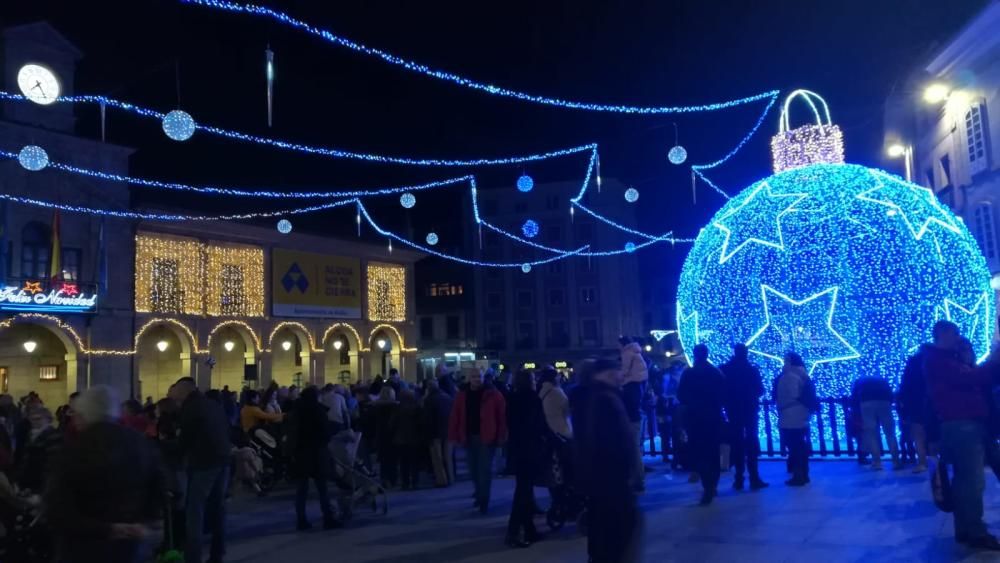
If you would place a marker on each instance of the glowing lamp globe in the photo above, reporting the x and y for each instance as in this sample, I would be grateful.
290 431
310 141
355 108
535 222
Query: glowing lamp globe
629 247
530 228
33 158
407 200
631 195
178 125
525 183
284 226
846 265
525 268
432 239
677 155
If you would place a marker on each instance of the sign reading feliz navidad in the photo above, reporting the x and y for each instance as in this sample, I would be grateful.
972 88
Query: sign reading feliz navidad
66 298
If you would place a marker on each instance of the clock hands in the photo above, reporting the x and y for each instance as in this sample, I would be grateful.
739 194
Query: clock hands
38 86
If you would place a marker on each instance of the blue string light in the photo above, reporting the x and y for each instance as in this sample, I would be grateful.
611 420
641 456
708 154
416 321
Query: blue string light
310 149
169 216
256 193
363 211
178 125
461 81
32 157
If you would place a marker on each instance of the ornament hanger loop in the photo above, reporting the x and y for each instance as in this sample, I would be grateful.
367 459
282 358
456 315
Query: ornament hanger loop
810 97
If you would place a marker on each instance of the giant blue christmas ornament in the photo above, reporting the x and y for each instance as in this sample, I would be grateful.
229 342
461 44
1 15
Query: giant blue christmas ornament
848 266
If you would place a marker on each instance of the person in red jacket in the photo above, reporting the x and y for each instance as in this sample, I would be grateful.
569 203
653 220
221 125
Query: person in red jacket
478 422
958 396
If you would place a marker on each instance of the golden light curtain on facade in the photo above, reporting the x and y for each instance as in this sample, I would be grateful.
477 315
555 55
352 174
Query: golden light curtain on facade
234 281
184 276
386 292
169 272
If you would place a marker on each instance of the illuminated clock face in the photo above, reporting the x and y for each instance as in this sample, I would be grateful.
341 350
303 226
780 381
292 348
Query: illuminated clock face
38 84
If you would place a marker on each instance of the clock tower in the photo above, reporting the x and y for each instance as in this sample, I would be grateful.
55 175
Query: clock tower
40 63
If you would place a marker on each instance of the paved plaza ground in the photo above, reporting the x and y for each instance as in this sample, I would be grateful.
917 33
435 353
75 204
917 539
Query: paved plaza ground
847 514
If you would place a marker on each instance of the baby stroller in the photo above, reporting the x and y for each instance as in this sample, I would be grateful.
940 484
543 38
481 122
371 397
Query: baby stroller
567 503
357 484
272 463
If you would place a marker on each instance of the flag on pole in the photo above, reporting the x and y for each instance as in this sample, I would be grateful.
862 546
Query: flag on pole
55 264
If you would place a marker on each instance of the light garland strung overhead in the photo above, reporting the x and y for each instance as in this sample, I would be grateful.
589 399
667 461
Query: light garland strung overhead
312 149
460 80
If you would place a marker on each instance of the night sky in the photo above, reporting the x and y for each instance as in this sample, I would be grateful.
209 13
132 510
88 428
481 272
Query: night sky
652 52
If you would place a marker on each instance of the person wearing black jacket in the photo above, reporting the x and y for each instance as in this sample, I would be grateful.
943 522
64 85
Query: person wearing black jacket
744 388
307 438
872 396
914 406
204 443
106 489
526 449
605 458
701 394
436 410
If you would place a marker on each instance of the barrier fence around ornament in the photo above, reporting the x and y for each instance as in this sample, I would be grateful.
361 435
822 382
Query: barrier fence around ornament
833 435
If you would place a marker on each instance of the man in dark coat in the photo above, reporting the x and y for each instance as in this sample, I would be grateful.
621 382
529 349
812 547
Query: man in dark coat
744 389
308 437
701 394
106 488
204 443
436 410
605 460
526 448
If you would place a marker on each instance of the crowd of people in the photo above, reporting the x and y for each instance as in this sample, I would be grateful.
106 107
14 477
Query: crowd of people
107 474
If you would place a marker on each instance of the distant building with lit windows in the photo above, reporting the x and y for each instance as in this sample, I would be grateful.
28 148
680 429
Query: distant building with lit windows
943 128
137 305
566 310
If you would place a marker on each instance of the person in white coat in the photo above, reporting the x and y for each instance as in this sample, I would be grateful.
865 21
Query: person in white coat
636 374
793 416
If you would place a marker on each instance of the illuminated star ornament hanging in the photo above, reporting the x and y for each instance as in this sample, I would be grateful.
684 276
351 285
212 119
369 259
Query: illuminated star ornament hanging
846 265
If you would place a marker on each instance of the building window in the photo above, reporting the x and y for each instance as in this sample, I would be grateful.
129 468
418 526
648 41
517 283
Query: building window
494 301
234 281
584 232
488 206
975 136
557 297
231 295
983 229
48 373
946 169
558 335
169 275
427 328
587 266
525 335
588 296
495 337
452 327
553 234
930 177
35 248
525 298
520 207
386 292
71 264
589 332
444 290
556 268
552 202
165 293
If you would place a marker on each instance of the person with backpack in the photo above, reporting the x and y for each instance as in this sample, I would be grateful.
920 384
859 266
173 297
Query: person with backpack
702 393
872 397
795 398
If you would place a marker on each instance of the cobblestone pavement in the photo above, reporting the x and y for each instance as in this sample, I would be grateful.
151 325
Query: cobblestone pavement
846 514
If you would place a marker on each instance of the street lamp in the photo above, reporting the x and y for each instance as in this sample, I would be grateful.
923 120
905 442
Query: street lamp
936 93
29 346
229 345
286 346
338 344
162 345
381 343
648 348
897 150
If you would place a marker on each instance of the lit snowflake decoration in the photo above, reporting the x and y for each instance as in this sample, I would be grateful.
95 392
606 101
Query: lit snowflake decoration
530 228
525 184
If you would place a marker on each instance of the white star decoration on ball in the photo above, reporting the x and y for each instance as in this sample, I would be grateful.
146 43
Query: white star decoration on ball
804 325
757 220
